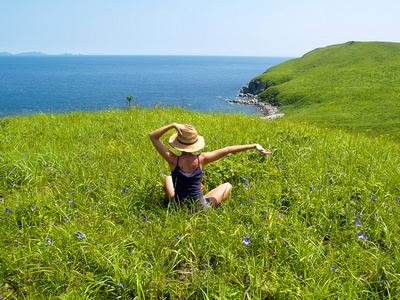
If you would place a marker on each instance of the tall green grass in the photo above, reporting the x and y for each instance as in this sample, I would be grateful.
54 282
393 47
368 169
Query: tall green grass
84 216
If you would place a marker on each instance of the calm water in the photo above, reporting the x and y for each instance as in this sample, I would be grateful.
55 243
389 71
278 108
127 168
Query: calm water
66 83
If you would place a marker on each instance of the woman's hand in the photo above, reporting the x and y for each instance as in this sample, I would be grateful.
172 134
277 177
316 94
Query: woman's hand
180 127
262 150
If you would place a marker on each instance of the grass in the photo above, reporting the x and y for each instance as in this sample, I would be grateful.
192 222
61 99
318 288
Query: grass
84 216
353 86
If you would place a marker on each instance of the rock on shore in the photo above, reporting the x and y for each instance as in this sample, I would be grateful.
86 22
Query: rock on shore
249 96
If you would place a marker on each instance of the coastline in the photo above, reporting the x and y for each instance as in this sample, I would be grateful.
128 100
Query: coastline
270 111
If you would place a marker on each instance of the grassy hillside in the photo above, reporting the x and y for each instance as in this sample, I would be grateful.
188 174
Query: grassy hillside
353 86
83 212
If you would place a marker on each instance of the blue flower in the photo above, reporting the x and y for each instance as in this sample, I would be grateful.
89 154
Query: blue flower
157 162
120 285
80 235
247 187
251 198
24 158
2 199
319 187
245 179
358 223
311 188
367 237
286 243
86 186
397 200
360 235
360 215
148 220
72 193
178 238
296 186
66 219
228 207
8 210
123 191
376 216
333 268
329 171
33 208
246 240
329 157
70 201
48 240
241 204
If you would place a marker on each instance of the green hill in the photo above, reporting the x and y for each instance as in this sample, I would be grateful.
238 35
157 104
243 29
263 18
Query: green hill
352 86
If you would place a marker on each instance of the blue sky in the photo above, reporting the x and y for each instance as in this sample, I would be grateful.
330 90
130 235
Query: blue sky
187 27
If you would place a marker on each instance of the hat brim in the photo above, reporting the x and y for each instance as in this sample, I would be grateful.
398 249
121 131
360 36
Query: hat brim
174 142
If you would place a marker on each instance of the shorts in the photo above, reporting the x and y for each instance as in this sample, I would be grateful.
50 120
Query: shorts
201 204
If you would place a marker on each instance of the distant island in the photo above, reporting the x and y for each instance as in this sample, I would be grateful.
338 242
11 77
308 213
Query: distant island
35 53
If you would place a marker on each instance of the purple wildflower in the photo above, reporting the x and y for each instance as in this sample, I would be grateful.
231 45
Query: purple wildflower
80 235
148 220
311 188
246 240
296 186
2 199
66 219
178 238
245 179
366 237
286 243
48 240
157 162
251 198
241 204
70 201
123 191
33 208
397 200
120 285
358 223
360 235
329 157
360 215
247 187
8 210
376 216
333 268
319 187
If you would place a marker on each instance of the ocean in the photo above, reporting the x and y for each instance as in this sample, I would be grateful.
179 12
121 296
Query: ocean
53 84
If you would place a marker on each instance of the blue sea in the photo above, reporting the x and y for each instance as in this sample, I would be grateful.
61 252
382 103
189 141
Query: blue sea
87 83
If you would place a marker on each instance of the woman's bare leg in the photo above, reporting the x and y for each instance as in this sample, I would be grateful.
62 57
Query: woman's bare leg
219 193
169 187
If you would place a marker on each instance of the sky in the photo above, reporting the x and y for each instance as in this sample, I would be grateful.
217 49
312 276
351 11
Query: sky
287 28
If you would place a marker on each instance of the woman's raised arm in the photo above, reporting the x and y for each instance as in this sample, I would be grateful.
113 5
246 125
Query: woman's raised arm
160 147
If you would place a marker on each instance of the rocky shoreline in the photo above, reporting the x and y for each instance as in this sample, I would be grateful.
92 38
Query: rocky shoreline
270 111
249 96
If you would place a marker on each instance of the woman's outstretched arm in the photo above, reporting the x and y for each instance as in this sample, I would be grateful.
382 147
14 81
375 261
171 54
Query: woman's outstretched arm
209 157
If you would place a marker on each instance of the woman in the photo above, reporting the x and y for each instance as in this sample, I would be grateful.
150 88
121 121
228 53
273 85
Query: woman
185 183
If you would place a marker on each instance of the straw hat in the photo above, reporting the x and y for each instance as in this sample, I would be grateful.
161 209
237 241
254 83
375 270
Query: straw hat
189 141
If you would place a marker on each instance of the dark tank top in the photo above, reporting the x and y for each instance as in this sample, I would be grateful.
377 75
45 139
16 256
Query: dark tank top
187 185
